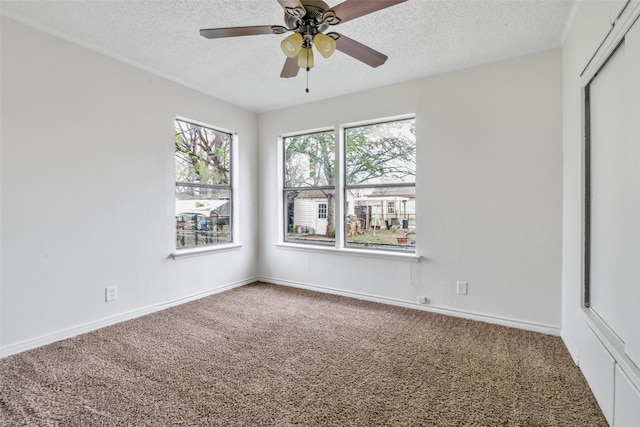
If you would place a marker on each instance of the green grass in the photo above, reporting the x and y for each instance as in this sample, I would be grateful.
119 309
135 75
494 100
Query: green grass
380 239
380 236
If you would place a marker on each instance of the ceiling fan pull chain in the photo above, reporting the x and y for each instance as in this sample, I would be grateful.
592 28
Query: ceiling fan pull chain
308 68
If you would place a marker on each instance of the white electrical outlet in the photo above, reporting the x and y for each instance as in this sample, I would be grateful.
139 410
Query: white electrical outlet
422 299
461 287
111 293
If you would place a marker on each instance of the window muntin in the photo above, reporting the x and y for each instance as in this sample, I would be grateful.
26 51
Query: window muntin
203 206
380 198
309 174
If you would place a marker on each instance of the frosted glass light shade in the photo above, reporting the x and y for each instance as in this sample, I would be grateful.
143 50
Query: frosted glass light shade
305 59
291 45
325 44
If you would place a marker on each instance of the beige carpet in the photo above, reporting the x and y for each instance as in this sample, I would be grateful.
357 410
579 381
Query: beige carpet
265 355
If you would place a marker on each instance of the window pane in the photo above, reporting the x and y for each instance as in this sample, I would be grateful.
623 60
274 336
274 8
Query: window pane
310 215
203 155
369 224
309 160
381 153
322 210
203 216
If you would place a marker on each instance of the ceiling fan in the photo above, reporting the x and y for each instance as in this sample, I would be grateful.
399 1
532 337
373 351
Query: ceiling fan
308 20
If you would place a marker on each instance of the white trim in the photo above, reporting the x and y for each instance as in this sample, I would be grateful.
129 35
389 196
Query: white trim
497 320
613 345
111 320
570 347
381 120
610 43
307 132
362 253
340 217
204 250
235 188
231 133
281 218
91 326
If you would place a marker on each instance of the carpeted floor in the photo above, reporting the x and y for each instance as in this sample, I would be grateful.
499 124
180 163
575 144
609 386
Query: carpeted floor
266 355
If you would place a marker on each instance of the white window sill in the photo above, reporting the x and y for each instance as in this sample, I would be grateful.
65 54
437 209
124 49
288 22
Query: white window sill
395 256
205 250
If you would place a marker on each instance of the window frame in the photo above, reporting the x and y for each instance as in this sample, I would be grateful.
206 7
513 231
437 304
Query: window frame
188 251
391 207
341 203
346 187
286 189
322 210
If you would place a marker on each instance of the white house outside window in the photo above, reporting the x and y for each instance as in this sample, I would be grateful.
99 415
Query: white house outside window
203 185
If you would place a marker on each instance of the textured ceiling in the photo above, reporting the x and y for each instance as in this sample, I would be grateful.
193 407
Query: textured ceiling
421 37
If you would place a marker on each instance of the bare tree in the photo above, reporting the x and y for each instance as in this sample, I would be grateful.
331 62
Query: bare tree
202 156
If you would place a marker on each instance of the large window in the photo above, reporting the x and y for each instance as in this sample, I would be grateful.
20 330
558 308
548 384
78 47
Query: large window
203 185
309 174
378 195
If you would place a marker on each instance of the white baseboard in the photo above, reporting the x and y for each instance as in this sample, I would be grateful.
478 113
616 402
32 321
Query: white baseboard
513 323
92 326
111 320
571 348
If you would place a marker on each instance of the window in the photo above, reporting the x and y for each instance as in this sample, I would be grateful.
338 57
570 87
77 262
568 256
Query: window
380 170
378 196
309 188
391 207
203 185
322 211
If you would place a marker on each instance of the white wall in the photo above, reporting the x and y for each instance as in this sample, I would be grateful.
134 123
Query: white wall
87 190
489 183
599 356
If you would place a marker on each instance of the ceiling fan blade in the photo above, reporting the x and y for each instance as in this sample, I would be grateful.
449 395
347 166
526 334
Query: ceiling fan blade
217 33
358 51
351 9
293 8
290 68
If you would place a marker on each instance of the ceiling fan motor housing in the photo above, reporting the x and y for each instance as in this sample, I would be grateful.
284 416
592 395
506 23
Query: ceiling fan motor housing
312 22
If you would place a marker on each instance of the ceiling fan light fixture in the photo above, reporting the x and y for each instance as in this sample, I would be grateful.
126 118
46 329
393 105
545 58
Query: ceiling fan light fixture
325 44
291 45
305 58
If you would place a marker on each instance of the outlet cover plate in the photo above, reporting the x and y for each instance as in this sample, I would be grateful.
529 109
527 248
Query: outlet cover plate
111 293
462 287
